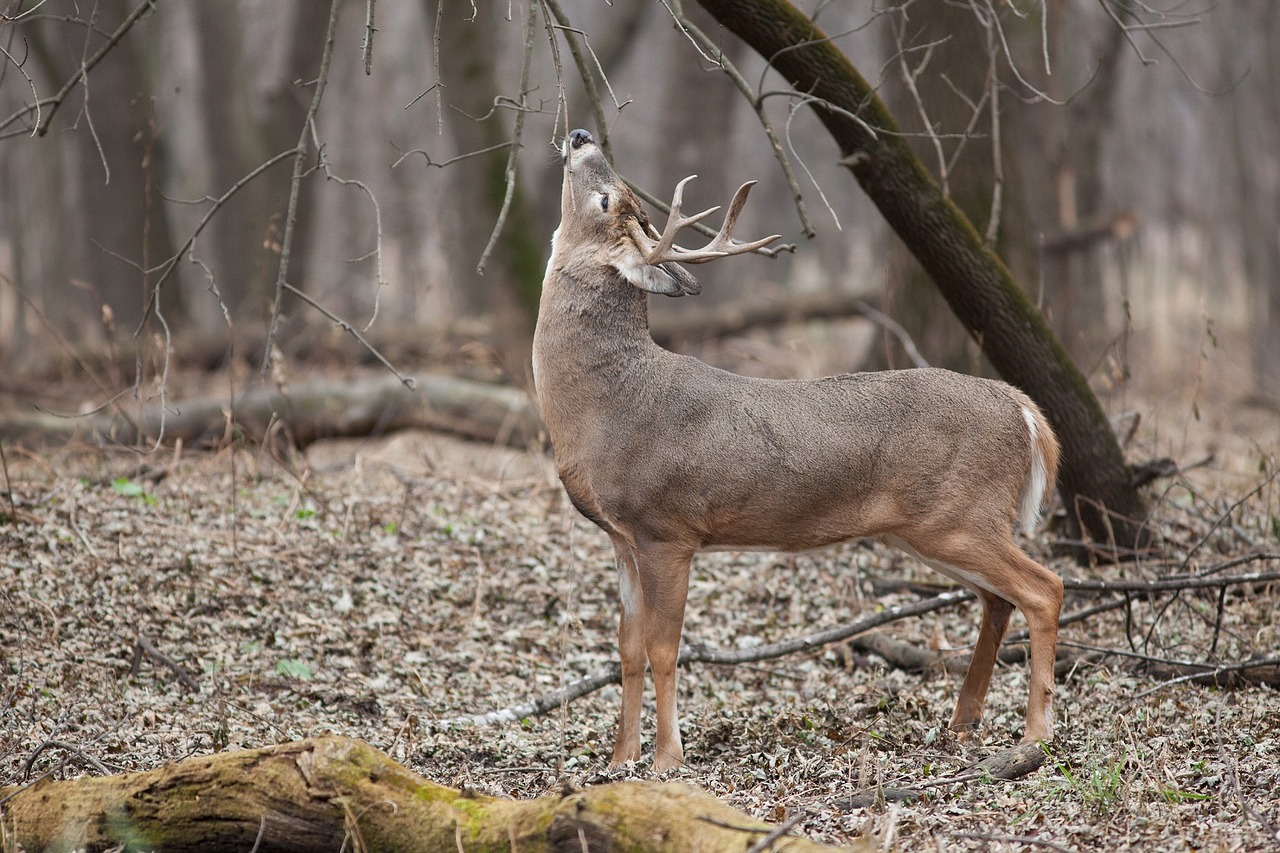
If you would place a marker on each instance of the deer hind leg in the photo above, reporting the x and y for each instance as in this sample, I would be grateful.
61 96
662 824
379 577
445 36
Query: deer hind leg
664 582
977 678
999 571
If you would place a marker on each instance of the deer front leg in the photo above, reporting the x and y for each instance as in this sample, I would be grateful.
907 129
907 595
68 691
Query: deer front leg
664 578
631 649
977 678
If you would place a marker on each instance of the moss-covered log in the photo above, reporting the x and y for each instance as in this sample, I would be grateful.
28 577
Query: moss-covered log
324 793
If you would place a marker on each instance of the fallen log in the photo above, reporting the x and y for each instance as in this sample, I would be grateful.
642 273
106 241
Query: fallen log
334 793
308 410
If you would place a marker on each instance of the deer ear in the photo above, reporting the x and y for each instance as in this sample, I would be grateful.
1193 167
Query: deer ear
669 279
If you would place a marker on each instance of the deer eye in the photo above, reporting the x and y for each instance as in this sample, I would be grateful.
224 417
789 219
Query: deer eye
604 202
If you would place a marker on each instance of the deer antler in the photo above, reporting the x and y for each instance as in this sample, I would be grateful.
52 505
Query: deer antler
663 249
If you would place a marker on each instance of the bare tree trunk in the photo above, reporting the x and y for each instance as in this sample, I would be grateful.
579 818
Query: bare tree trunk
334 793
1255 133
1095 482
243 264
509 287
121 158
1055 187
954 68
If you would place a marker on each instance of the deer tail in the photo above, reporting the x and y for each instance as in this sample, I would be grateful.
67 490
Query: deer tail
1038 490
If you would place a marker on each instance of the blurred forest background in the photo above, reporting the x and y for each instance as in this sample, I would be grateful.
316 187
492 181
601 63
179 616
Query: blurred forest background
1124 157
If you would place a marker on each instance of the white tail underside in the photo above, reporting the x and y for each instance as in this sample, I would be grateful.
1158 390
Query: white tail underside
1033 496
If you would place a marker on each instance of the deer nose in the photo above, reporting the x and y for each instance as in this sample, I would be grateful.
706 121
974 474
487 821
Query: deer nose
579 138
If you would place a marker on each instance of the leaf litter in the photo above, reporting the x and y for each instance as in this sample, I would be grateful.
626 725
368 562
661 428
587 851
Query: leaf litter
373 588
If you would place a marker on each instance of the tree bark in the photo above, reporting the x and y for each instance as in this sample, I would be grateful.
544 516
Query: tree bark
1094 480
334 793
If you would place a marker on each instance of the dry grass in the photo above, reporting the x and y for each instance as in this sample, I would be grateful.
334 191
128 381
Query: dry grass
370 588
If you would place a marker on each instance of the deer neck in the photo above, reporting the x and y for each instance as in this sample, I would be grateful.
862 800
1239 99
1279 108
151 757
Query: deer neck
591 341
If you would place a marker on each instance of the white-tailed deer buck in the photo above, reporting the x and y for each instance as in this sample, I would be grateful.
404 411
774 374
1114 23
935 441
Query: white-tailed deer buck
670 456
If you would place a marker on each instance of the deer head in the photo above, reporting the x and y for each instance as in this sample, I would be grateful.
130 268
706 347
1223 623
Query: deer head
598 210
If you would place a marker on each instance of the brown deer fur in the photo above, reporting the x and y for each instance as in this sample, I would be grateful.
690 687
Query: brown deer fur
670 456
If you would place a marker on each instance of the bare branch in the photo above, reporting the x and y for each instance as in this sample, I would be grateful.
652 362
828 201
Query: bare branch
612 674
588 79
295 186
714 53
166 269
435 64
517 131
86 66
376 252
369 29
442 163
407 381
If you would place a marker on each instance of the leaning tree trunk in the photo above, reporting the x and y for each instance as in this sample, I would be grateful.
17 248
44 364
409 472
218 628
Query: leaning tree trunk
334 793
1095 482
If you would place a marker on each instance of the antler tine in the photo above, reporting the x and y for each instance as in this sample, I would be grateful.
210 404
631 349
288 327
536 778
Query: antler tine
722 245
657 252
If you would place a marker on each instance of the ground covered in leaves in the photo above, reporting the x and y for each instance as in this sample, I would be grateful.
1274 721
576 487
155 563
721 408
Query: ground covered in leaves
156 607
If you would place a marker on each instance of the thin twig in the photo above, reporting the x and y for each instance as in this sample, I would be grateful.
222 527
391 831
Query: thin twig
85 67
12 515
435 65
517 131
716 54
1230 762
1012 839
144 647
1176 582
407 381
584 72
369 29
778 832
66 747
376 253
167 268
295 185
440 164
1210 673
896 329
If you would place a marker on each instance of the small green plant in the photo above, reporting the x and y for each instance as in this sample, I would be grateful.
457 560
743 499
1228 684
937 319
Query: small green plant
291 668
1098 786
1173 796
130 489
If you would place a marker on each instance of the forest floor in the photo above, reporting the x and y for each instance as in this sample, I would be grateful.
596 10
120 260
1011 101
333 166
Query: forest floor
374 588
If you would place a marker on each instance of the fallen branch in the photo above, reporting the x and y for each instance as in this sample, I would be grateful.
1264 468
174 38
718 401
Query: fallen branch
1176 582
612 674
332 792
144 647
1256 671
1006 765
